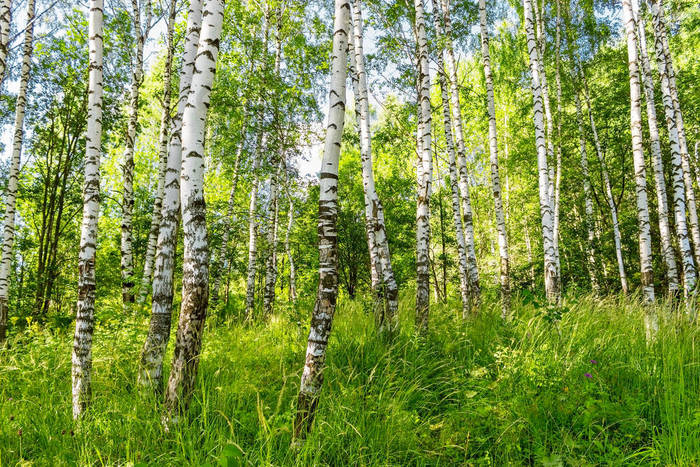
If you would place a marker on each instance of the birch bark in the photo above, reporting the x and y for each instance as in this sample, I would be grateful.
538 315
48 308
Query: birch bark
195 268
163 141
426 162
495 176
5 20
81 358
667 251
638 155
322 317
467 215
454 176
674 118
8 229
151 368
551 276
386 290
127 247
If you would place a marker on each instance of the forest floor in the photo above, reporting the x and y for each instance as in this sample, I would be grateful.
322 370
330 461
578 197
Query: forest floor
585 389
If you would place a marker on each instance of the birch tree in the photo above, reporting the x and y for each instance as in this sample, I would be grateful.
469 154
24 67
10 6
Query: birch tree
151 369
667 251
674 117
680 176
222 256
140 32
587 199
8 230
253 227
493 153
608 187
467 216
464 278
425 161
384 285
287 247
272 240
195 268
5 20
324 309
551 272
163 140
81 358
638 156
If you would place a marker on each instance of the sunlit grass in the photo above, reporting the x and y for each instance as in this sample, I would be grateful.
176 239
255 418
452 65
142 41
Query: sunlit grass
584 389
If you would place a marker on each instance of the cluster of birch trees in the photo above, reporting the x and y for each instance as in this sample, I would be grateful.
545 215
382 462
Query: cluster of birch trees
227 111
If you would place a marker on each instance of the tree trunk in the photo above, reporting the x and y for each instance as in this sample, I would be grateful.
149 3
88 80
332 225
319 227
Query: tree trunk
385 289
425 162
554 170
8 231
322 317
674 118
272 238
495 176
588 201
221 259
463 268
657 164
195 268
608 187
638 155
163 141
5 20
287 248
467 216
551 276
81 358
253 226
151 370
683 194
127 247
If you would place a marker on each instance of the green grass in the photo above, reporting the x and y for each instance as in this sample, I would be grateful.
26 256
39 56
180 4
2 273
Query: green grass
480 392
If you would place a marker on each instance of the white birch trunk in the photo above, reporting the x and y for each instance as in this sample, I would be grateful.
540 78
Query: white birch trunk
680 178
657 164
221 259
322 317
163 141
287 247
151 370
672 108
5 20
386 289
272 237
253 227
425 162
551 276
587 198
81 358
8 229
195 267
493 153
467 216
127 247
638 155
454 175
608 188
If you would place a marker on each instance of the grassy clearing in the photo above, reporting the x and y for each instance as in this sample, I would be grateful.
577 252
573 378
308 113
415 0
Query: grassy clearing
585 390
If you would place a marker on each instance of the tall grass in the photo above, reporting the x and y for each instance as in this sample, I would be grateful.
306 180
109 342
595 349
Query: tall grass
583 389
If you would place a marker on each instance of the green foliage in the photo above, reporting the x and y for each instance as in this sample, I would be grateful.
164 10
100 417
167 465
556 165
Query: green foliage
584 390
